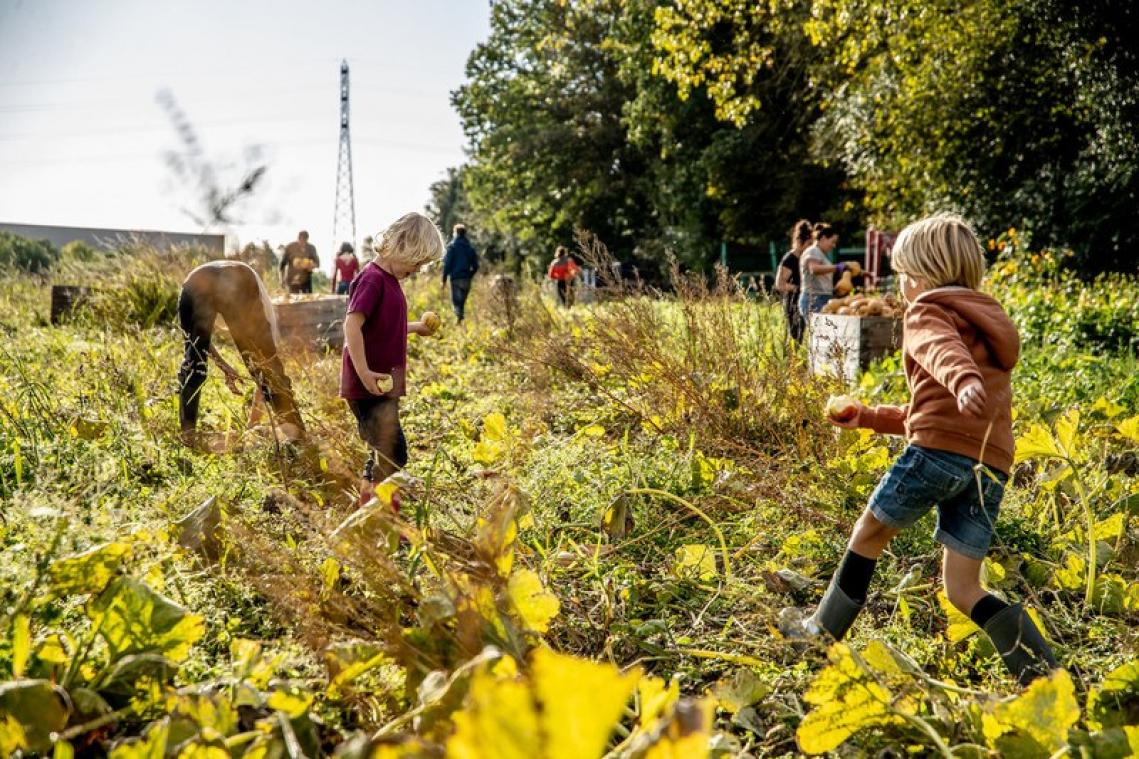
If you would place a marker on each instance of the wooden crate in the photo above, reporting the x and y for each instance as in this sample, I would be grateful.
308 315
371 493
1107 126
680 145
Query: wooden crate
64 299
843 346
316 323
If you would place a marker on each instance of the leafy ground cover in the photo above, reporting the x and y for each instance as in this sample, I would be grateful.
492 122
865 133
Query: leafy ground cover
605 510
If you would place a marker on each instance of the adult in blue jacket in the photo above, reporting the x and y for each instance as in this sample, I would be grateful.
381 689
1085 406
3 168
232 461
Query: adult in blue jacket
460 264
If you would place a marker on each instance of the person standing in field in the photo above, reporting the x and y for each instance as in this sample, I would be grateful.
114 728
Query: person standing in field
817 272
345 270
298 263
460 264
788 278
959 349
374 365
563 270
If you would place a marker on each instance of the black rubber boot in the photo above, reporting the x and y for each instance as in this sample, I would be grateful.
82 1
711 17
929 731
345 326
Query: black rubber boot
834 616
1019 642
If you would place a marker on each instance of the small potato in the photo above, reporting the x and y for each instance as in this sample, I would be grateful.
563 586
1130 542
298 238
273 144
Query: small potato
432 321
841 408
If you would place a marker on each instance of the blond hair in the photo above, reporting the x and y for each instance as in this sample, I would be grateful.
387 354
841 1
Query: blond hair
942 250
412 239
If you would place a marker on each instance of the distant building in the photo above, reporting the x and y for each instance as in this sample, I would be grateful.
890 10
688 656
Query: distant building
114 238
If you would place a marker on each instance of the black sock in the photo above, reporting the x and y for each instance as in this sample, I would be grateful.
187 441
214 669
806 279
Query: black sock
853 575
985 609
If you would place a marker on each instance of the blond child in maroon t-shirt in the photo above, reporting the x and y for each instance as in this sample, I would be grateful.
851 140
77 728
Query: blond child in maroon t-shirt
373 368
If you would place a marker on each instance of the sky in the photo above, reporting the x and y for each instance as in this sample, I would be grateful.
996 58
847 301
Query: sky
83 135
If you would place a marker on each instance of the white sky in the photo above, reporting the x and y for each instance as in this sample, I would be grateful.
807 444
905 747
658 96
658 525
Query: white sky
82 135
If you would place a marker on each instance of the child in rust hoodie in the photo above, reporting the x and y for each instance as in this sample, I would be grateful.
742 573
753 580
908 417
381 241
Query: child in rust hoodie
959 349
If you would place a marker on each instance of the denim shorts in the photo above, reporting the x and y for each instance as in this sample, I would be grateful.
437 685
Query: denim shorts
968 501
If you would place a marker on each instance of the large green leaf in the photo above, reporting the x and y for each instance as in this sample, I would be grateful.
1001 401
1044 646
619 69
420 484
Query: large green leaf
134 619
40 709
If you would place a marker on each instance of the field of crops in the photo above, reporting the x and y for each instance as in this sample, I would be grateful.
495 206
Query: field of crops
605 510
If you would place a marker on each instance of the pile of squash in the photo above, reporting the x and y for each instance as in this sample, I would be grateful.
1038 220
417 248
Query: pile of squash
865 305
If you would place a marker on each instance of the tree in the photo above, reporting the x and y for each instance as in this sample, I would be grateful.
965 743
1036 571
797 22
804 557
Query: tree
1018 112
575 122
542 110
449 205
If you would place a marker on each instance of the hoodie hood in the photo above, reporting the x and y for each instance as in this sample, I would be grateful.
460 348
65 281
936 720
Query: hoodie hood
984 314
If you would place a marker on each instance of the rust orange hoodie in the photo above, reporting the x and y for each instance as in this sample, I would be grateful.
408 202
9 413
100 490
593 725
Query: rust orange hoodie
952 335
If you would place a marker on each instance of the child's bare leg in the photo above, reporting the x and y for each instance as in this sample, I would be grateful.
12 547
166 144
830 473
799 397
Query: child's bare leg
962 578
870 536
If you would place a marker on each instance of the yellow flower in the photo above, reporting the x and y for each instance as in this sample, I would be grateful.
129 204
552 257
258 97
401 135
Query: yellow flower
992 244
1012 231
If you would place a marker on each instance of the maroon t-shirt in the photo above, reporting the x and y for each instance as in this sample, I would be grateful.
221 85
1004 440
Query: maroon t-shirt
377 295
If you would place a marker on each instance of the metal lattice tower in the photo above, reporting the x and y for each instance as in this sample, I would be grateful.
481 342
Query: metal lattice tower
344 217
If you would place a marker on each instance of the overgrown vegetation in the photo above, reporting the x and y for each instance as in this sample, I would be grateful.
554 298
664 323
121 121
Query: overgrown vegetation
606 508
685 124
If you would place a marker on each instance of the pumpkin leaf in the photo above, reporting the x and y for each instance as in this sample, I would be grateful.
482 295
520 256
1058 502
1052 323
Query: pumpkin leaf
134 619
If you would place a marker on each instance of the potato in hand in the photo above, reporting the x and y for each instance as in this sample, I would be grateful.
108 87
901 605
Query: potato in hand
842 408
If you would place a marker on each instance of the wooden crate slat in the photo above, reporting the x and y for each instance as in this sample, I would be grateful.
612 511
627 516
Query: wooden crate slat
844 345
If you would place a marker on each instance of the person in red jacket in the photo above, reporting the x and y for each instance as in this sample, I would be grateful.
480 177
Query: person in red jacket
959 348
563 270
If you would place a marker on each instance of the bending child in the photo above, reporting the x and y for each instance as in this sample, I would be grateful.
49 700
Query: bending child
373 369
959 349
233 290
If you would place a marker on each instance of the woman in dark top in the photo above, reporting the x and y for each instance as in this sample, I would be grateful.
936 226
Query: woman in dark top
788 277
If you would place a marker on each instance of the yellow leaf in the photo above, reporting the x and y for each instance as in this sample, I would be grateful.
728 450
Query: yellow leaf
739 690
1108 408
12 736
494 426
1072 575
695 562
1067 432
1037 443
846 700
581 702
292 703
534 605
1043 713
487 451
879 658
498 720
88 572
655 697
1111 528
992 573
960 626
21 644
52 651
593 430
1129 428
329 573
